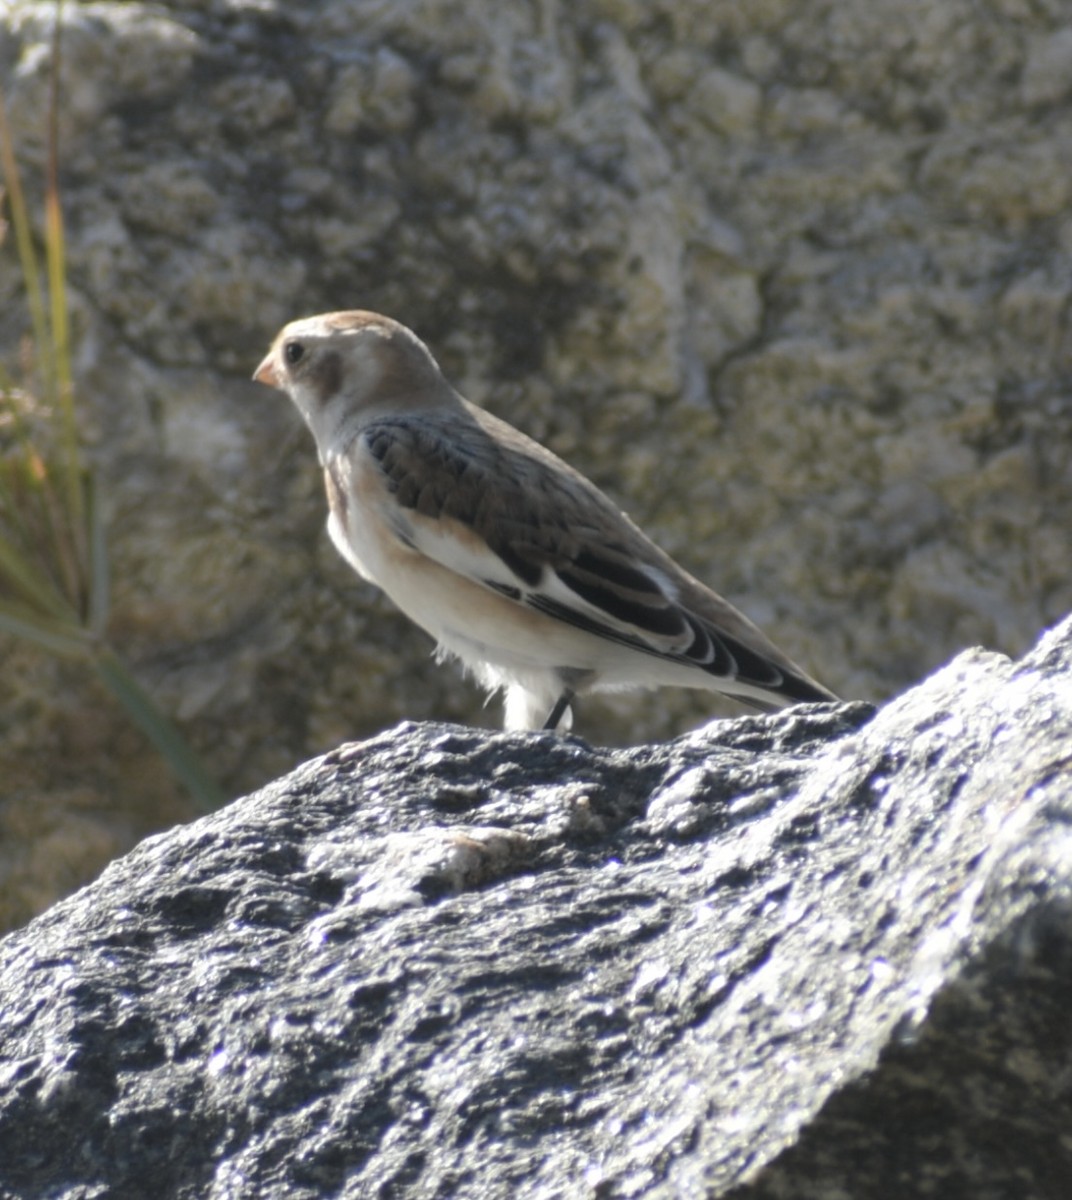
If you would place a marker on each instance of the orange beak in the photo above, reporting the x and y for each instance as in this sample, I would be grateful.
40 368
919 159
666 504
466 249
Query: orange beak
267 372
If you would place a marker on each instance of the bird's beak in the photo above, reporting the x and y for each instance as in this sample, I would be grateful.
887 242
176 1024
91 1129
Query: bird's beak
268 373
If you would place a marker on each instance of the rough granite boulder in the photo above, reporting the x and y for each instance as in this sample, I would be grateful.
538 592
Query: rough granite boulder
789 279
820 954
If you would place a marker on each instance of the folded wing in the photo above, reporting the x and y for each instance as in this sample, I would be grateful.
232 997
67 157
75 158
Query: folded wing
508 515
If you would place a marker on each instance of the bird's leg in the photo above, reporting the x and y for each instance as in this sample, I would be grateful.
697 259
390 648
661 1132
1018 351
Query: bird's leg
558 709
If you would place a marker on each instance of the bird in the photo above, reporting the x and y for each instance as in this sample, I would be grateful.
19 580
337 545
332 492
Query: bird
514 562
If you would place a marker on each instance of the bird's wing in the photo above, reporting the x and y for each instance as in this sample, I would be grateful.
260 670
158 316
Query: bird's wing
504 512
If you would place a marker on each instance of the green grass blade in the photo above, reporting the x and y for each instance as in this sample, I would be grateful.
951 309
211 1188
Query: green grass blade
60 353
23 577
36 548
56 270
68 641
20 481
55 259
23 239
161 732
99 575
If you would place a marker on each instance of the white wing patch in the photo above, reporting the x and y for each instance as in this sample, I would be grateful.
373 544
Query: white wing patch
458 549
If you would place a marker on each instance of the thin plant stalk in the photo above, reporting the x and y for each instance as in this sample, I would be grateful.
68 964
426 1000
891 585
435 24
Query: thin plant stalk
54 571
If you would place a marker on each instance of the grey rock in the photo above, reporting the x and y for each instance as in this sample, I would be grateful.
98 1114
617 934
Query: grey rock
820 954
1047 77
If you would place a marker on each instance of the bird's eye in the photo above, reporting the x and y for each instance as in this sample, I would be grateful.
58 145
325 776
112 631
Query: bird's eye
293 352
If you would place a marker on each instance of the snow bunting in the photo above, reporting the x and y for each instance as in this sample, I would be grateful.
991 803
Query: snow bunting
510 559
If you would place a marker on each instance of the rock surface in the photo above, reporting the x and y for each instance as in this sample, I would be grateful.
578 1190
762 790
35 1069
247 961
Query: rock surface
790 279
822 954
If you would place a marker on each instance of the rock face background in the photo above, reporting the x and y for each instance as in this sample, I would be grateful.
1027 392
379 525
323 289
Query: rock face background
790 280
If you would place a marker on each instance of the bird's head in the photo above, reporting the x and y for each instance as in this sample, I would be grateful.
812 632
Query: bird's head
344 369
